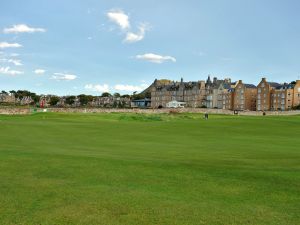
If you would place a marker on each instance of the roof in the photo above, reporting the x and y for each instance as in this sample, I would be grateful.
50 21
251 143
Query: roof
250 86
142 100
284 86
274 84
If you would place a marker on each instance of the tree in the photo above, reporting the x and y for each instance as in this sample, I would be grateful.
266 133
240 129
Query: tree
105 94
85 99
70 100
54 100
117 95
125 96
4 92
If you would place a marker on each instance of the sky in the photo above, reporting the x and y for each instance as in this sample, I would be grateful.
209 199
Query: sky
93 46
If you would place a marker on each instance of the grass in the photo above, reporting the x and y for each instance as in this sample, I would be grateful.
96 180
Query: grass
135 169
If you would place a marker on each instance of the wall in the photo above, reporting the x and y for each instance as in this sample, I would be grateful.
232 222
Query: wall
19 111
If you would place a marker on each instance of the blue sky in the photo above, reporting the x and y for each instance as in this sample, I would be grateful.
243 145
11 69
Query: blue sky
87 46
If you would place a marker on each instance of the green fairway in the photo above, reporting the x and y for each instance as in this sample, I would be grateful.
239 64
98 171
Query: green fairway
128 169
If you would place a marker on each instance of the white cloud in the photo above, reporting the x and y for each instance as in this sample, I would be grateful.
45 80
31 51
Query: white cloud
63 76
16 62
39 71
120 18
150 57
8 71
22 28
131 88
97 87
135 37
9 45
14 54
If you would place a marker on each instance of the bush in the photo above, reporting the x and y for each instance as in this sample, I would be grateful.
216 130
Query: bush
296 107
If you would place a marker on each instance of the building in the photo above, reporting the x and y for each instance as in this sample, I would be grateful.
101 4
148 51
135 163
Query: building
175 104
244 97
165 91
215 90
141 103
264 89
282 97
7 98
227 99
296 97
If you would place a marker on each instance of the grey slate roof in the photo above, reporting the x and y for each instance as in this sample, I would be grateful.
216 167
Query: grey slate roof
274 84
250 86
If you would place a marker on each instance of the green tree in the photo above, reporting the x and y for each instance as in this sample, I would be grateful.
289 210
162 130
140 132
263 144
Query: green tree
85 99
105 94
70 99
117 95
54 100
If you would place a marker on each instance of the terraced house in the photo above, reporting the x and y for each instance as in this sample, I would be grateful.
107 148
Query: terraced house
244 97
165 91
264 89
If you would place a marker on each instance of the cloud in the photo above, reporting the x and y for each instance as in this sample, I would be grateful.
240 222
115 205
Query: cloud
150 57
135 37
16 62
8 71
131 88
22 28
97 87
63 76
120 18
39 71
9 45
14 54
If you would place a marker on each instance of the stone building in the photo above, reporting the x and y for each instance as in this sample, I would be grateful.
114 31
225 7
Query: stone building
111 102
165 91
244 96
296 94
282 97
26 100
7 98
215 90
227 99
264 89
285 96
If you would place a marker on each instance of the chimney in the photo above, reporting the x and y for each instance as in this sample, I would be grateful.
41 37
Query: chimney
264 79
215 80
181 80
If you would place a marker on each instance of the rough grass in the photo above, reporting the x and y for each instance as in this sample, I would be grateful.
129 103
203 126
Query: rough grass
149 169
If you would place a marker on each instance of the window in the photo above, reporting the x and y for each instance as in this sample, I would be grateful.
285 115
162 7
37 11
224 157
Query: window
259 90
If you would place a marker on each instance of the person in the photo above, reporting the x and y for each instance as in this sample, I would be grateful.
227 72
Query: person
206 115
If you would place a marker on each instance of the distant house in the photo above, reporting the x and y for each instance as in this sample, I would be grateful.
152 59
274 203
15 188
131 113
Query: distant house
141 103
176 104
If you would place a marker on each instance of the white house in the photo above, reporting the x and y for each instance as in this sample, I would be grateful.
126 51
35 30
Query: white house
175 104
